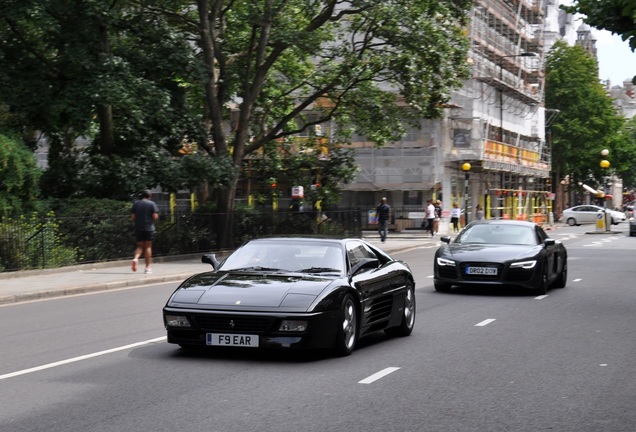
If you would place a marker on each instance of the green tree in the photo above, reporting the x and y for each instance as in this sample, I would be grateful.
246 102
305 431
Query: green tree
623 159
366 65
616 16
19 177
588 121
137 78
111 72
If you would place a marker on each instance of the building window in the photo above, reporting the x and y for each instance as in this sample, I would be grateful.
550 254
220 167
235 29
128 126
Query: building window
412 198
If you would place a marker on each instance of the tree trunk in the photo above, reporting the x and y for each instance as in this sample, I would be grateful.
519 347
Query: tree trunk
226 209
106 137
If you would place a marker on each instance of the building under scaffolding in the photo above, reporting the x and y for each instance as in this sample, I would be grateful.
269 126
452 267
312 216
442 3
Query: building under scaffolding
496 123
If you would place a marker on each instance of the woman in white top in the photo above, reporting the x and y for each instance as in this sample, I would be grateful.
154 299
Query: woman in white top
454 215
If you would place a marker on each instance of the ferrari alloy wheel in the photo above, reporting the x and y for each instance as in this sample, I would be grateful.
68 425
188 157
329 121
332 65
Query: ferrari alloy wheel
408 314
348 332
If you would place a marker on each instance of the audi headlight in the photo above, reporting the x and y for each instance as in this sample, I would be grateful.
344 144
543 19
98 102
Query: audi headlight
177 321
527 265
445 262
292 326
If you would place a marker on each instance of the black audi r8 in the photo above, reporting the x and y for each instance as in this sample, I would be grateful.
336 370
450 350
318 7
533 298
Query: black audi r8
297 292
501 252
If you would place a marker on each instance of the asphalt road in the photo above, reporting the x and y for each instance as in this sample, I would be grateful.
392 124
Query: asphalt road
477 361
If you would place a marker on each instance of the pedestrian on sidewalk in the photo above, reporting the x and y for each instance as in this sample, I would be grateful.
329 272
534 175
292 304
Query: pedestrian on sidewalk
455 214
430 216
144 213
438 215
479 212
383 213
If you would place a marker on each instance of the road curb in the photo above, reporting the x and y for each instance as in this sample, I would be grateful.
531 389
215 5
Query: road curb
86 289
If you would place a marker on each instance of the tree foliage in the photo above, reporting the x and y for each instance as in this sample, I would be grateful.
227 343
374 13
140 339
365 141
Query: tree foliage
19 177
623 159
588 121
235 76
616 16
368 66
110 72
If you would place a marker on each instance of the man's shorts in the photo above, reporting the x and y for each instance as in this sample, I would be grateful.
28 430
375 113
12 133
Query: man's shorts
144 235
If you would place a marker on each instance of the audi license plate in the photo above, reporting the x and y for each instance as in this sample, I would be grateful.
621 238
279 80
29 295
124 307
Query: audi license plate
234 340
488 271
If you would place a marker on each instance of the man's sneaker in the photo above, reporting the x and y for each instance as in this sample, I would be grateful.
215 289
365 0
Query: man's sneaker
134 265
148 271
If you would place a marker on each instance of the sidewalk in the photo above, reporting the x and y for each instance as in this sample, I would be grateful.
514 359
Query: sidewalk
39 284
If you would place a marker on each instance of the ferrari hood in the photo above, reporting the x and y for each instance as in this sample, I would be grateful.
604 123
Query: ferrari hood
481 252
245 290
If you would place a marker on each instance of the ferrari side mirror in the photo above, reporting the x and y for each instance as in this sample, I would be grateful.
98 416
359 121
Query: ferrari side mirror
210 258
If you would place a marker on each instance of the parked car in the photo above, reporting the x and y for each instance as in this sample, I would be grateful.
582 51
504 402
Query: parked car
293 293
501 253
588 214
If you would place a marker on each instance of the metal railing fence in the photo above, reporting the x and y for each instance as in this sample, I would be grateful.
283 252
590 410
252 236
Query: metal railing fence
38 242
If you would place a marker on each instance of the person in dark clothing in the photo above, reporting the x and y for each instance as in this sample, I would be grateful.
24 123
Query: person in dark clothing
144 213
430 216
438 215
383 213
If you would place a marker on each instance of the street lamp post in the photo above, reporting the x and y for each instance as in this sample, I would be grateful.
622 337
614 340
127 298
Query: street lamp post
466 168
605 164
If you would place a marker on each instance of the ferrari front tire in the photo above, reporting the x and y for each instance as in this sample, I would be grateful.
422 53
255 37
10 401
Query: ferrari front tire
347 335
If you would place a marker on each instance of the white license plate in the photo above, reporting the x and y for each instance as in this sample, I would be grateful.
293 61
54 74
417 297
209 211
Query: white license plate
234 340
489 271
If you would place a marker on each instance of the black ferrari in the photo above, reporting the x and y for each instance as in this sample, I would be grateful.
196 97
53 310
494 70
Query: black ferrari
501 252
294 293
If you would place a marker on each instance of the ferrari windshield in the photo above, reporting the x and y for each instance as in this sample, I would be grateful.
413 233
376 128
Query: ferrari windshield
301 256
498 234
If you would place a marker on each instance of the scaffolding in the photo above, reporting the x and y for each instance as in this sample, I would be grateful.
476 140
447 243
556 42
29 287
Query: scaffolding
498 121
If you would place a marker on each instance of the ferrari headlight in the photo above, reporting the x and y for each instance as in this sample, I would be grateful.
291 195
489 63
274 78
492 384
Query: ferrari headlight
527 265
177 321
445 262
292 326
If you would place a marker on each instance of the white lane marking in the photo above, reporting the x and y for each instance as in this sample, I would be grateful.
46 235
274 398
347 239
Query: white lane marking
593 244
485 322
577 280
80 358
376 376
541 297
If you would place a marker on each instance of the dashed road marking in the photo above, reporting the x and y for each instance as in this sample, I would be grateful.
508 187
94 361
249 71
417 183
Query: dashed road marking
485 322
376 376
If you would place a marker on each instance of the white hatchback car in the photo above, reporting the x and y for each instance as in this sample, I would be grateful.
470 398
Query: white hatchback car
587 214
